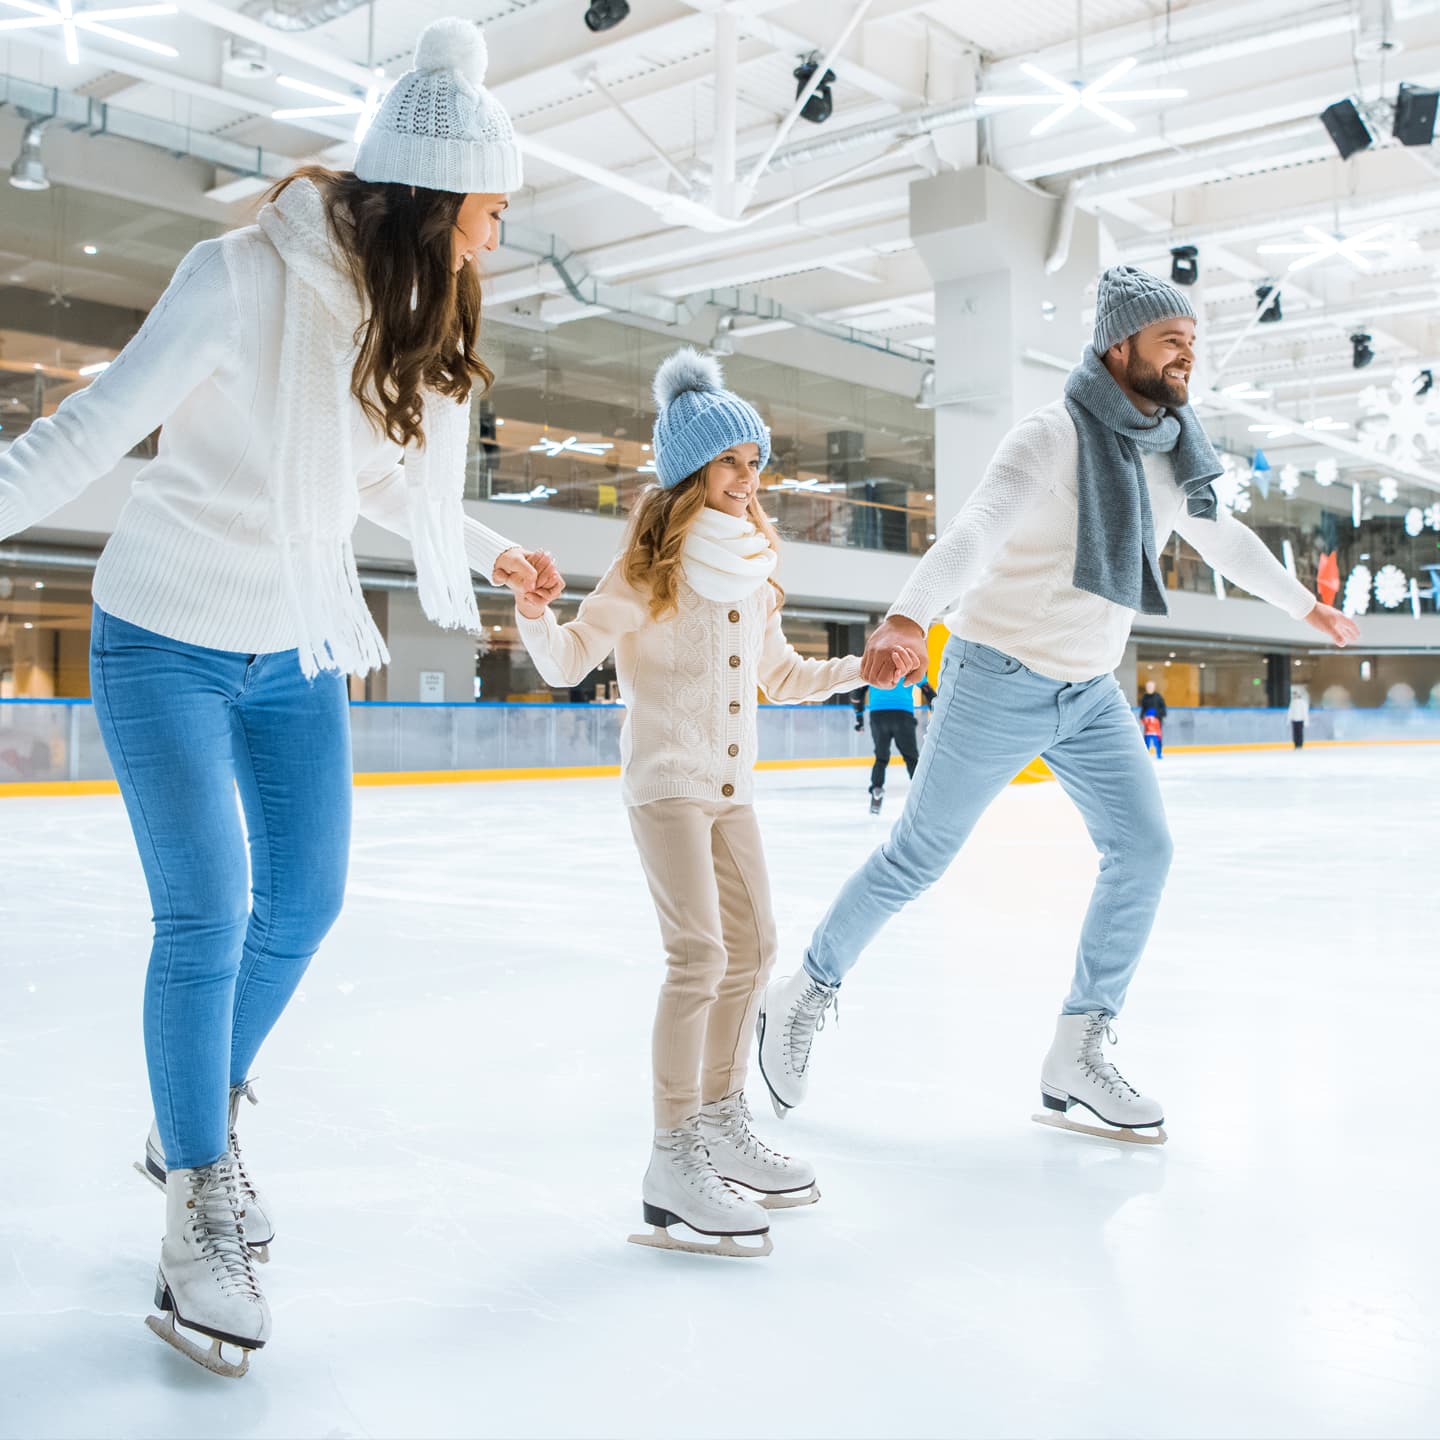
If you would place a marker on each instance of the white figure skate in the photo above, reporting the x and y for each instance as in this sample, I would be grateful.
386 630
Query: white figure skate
682 1187
742 1159
206 1282
1076 1072
791 1011
259 1232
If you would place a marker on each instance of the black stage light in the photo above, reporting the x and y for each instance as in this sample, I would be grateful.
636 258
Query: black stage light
1361 353
1347 128
1415 108
606 14
818 107
1271 313
1184 264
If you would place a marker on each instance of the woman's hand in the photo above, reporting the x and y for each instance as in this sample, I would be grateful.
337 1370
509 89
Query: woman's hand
1338 628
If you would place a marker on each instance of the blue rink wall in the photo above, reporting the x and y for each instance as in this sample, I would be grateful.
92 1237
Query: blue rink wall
57 742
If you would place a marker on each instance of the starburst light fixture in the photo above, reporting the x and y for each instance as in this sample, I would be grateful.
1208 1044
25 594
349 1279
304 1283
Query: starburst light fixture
1068 96
338 103
527 497
572 446
1274 430
1320 246
71 21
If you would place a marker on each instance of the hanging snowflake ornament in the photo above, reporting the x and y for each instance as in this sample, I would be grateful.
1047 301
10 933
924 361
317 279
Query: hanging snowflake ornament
1414 520
1232 488
1389 490
1327 471
1289 479
1432 517
1391 587
1357 591
1400 421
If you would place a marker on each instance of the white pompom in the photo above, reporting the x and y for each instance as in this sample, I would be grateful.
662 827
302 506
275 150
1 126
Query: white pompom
454 44
685 370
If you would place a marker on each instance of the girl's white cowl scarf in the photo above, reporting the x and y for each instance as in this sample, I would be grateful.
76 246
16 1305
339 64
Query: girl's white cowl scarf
726 558
316 496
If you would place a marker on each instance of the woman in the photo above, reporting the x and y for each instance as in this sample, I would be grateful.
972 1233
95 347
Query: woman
692 611
293 365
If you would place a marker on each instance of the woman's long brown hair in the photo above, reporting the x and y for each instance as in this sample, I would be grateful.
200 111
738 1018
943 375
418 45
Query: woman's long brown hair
422 318
655 542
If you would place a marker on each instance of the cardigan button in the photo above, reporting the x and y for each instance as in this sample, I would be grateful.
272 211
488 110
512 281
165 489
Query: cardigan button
734 750
734 662
727 791
734 617
734 707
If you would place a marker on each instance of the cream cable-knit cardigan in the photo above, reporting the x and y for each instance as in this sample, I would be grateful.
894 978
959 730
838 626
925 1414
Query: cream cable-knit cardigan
689 682
194 555
1002 573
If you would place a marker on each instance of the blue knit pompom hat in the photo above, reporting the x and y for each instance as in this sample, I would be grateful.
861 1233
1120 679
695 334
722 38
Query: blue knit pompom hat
698 418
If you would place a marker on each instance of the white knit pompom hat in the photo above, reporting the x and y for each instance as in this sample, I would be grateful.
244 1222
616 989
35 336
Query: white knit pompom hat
439 128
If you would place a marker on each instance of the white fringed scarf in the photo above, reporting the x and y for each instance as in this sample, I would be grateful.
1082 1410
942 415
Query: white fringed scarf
726 558
316 498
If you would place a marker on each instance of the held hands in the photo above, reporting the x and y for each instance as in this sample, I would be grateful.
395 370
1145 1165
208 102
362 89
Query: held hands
895 652
532 576
1340 629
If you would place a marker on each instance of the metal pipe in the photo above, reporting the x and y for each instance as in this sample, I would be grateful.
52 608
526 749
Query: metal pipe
727 92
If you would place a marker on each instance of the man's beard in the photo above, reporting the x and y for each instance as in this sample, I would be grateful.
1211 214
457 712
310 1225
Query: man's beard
1145 380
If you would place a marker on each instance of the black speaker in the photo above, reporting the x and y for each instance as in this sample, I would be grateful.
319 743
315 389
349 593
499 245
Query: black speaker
1415 114
1347 128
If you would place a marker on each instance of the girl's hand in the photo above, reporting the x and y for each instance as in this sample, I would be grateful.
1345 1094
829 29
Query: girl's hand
533 601
1338 628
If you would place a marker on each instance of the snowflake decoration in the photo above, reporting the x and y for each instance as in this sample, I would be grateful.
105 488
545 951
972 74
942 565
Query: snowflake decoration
1327 471
1233 487
1391 587
1432 517
1398 423
1357 591
1414 520
1389 490
1289 479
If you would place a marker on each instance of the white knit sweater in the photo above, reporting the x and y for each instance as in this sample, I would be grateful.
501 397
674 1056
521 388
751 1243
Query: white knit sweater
1008 558
194 556
689 682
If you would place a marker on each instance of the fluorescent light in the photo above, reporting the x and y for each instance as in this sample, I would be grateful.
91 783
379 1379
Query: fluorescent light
95 369
1065 97
1321 246
338 102
70 21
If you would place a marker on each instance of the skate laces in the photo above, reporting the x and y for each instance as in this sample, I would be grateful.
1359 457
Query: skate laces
809 1020
213 1220
692 1159
247 1185
731 1117
1092 1058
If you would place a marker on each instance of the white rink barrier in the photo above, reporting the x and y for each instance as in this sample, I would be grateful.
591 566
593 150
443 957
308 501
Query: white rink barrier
45 741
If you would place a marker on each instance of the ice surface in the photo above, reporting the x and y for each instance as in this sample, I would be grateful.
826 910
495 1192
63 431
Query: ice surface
455 1119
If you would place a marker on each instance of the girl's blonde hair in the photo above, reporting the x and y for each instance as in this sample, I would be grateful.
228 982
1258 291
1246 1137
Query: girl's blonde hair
655 541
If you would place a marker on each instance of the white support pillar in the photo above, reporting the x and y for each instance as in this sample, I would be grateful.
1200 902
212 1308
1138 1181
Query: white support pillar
985 239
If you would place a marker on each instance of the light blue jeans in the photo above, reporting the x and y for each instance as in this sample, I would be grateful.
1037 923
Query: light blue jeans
992 717
184 728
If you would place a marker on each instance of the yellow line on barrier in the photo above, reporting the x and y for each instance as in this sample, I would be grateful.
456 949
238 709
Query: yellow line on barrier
1037 770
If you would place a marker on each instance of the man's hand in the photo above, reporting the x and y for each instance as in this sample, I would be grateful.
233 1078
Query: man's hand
1336 627
895 652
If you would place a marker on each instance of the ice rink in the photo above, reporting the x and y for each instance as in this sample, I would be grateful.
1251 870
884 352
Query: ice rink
455 1121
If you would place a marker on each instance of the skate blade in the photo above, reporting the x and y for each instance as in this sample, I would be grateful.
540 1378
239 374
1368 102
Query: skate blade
660 1238
260 1252
1153 1136
146 1173
212 1359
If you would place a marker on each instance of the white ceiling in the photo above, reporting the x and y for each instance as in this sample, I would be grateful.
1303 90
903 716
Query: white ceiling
1240 161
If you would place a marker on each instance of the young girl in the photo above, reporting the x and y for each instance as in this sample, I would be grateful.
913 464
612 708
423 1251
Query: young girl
293 364
692 611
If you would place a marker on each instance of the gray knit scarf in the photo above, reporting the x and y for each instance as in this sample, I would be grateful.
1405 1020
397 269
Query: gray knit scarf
1115 541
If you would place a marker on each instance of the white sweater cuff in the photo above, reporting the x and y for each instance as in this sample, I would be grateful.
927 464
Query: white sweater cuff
483 547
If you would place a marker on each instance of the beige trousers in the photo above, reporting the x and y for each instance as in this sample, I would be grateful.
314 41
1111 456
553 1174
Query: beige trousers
706 870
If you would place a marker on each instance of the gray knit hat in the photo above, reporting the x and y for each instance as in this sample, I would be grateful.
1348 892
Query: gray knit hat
698 418
438 128
1129 300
